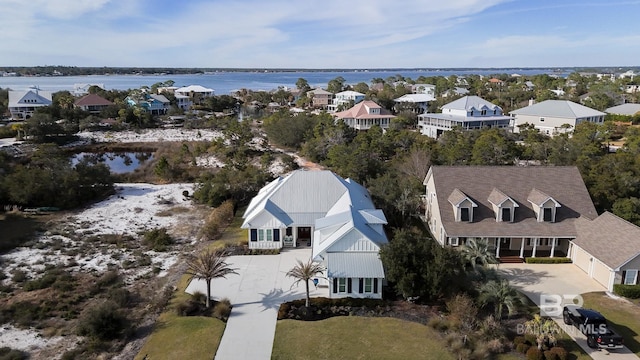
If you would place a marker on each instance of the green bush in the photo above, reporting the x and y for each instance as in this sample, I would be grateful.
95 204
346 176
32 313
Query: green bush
19 276
628 291
104 321
7 353
546 260
534 354
519 340
157 239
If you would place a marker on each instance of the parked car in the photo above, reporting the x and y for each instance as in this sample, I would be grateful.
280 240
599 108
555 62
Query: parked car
594 326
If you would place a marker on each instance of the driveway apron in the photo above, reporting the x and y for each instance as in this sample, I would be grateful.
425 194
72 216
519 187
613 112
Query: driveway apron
256 294
537 280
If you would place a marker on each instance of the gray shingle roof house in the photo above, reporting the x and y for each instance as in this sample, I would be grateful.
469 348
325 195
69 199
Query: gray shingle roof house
469 112
535 211
608 249
549 116
334 216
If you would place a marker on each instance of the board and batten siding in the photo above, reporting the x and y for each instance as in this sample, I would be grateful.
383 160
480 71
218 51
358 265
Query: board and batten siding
353 241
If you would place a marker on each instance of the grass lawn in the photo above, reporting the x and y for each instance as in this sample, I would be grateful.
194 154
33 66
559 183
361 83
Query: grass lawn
623 316
190 337
353 337
182 337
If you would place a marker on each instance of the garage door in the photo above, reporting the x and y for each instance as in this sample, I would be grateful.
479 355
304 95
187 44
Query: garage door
581 258
601 273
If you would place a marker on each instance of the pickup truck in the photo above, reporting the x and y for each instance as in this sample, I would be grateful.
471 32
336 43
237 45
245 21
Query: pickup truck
594 326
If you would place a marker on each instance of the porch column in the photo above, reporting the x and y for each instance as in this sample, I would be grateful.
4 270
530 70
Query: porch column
522 248
553 246
497 248
294 232
535 245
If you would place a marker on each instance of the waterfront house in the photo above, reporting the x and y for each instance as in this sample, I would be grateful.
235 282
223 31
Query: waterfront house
92 103
469 112
195 93
552 117
152 103
320 98
345 99
23 104
416 103
364 115
334 216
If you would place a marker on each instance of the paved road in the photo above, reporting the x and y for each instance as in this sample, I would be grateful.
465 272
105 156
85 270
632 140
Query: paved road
256 294
558 280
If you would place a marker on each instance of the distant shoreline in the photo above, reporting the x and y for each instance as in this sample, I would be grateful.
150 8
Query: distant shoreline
76 71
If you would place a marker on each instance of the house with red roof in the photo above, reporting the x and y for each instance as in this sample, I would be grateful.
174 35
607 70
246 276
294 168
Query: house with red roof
92 103
364 115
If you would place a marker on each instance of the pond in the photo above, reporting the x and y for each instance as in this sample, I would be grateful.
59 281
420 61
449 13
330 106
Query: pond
118 162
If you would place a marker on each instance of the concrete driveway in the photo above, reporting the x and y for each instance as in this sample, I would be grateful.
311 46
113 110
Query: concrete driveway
545 283
256 294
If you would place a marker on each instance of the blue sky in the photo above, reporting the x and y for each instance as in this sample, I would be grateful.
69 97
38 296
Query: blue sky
320 34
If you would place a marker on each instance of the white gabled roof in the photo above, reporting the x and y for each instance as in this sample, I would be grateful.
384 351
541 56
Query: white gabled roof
341 224
558 108
194 88
41 98
349 93
468 103
415 98
298 194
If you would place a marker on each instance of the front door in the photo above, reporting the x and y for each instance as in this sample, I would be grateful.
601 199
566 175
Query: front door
304 235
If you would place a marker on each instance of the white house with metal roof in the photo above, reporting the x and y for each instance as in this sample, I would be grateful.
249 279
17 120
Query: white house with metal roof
628 109
418 103
555 116
23 104
334 216
469 112
345 98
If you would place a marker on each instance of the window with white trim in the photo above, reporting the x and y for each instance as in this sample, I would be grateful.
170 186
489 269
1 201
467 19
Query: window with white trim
342 285
368 285
630 277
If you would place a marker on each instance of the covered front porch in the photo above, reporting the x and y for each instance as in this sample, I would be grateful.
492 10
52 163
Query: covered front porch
524 247
293 236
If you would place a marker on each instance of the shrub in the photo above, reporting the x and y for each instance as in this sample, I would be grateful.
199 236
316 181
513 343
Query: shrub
556 353
463 311
628 291
217 220
19 276
481 351
157 239
222 309
495 346
187 307
7 353
199 298
438 324
534 354
104 321
522 348
546 260
519 340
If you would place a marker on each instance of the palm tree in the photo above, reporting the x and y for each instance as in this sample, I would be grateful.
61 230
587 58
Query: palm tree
208 265
305 272
477 252
501 295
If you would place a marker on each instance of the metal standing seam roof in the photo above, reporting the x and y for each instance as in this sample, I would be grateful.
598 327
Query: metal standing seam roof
415 98
43 97
354 264
470 102
611 239
624 109
563 183
558 108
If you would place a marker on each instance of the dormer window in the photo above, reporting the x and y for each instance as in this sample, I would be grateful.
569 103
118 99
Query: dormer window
503 206
543 205
462 206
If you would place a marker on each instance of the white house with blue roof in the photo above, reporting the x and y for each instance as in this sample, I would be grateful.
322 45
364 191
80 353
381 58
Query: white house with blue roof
468 113
334 216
